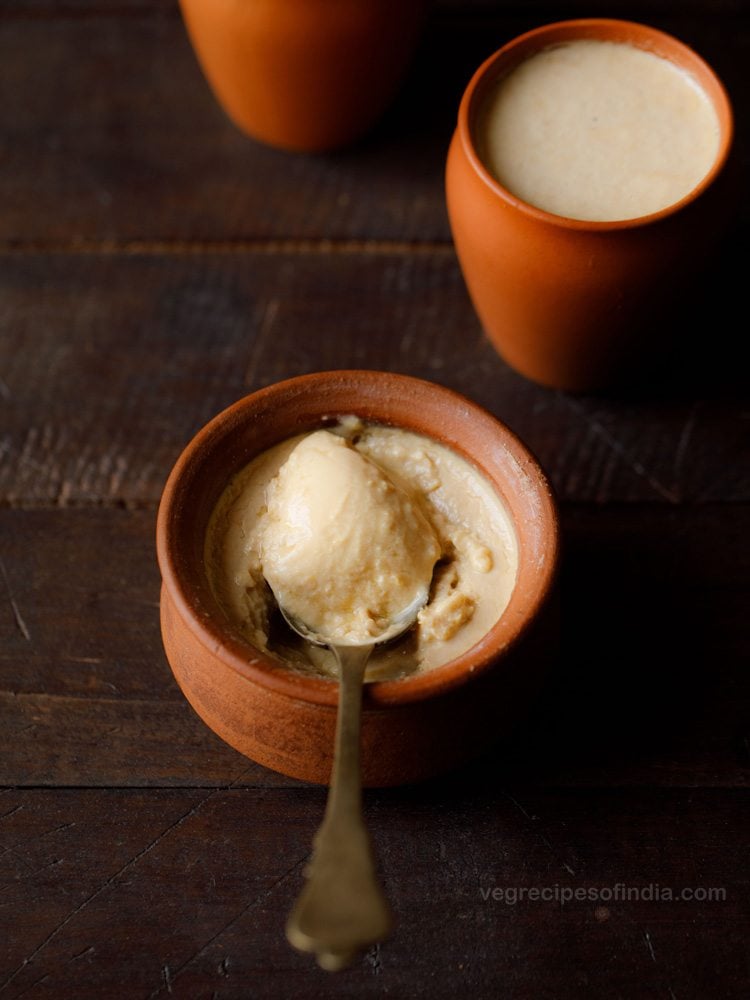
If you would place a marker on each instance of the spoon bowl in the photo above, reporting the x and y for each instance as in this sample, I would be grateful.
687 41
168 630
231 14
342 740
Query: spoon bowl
396 627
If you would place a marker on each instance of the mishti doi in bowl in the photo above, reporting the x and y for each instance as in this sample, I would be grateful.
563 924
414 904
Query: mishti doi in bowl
366 485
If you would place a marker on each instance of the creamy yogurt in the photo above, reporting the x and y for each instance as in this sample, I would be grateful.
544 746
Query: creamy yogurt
595 130
460 522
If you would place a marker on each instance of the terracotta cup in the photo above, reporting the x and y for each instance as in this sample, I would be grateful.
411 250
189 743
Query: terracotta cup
411 728
569 303
305 75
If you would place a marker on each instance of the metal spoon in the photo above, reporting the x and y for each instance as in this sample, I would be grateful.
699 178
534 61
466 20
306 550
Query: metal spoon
342 909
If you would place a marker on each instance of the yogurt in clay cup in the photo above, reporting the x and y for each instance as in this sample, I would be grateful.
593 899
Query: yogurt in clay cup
414 725
573 297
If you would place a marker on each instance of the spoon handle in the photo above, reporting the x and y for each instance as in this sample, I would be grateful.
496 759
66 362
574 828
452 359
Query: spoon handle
342 909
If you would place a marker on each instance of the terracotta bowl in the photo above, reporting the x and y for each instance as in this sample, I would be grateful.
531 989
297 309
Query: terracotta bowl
571 303
304 75
411 728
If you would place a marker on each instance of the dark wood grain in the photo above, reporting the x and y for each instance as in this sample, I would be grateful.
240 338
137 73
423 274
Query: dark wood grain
650 686
125 142
194 888
112 362
155 265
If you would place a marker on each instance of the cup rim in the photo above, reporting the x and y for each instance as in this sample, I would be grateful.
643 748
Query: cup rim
217 636
604 29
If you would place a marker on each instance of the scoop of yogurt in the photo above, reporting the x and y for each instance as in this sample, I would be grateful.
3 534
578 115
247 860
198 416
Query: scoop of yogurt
343 548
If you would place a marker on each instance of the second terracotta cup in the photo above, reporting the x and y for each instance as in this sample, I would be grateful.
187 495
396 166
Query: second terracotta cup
304 75
570 303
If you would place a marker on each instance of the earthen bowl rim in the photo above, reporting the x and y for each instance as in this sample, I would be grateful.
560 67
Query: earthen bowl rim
604 29
217 636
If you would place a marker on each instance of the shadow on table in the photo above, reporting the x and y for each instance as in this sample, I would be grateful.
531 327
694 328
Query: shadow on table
702 347
640 666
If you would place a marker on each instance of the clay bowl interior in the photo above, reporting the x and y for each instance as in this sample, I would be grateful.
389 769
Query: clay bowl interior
414 727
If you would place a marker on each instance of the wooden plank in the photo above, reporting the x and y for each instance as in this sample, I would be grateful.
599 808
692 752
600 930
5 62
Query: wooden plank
185 893
112 362
650 681
62 9
650 687
149 154
83 678
95 151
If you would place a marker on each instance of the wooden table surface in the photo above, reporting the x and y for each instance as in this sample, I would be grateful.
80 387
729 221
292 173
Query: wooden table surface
156 266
